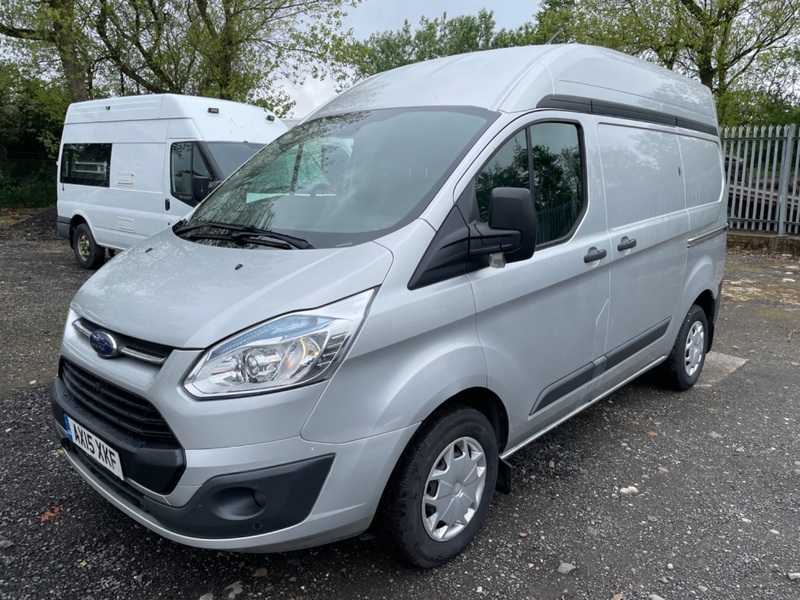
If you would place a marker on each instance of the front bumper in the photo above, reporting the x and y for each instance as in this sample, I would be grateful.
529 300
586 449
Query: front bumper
62 225
275 496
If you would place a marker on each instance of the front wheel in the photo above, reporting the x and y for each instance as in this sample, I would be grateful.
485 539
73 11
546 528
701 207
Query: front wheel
88 254
441 488
685 363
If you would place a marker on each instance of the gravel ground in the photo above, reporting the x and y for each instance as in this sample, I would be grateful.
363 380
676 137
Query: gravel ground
715 513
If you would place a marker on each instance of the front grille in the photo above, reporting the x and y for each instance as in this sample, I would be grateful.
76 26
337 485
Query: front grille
143 350
115 405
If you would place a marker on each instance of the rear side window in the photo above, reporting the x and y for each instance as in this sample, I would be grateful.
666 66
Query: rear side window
86 164
547 159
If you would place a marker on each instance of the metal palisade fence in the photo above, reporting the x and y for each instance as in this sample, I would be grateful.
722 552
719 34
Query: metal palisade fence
762 167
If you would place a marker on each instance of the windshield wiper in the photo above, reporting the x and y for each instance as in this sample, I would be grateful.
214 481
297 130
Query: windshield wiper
241 238
187 228
284 237
247 233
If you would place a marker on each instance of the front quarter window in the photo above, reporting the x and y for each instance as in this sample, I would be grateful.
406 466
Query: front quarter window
346 179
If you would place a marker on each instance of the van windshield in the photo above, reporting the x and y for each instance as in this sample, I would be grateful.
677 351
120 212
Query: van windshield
346 179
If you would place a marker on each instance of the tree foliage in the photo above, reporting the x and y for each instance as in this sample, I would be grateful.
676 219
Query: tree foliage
221 48
233 49
435 38
57 27
31 113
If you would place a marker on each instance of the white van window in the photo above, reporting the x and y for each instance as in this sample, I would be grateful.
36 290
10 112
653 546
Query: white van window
186 162
229 156
550 165
349 178
86 164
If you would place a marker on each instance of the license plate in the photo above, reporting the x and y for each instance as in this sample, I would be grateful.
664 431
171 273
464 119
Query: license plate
93 446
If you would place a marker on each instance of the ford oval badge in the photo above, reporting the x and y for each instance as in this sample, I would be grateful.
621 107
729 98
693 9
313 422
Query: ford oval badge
104 344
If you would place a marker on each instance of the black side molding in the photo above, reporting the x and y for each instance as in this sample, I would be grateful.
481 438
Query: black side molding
622 111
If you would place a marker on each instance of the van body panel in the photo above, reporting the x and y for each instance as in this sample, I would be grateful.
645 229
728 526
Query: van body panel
447 81
621 163
606 75
396 382
525 307
196 311
645 201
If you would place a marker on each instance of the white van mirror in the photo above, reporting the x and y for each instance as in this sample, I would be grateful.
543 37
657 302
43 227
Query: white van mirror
200 187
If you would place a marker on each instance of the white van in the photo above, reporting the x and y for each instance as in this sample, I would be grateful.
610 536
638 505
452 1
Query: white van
128 167
363 322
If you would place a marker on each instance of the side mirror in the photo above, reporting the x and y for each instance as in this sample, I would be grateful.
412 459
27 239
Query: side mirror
512 209
200 186
512 226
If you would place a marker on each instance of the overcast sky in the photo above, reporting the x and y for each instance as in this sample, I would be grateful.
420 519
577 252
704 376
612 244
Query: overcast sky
372 16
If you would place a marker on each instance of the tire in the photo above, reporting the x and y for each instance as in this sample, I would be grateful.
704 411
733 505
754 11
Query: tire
88 254
685 363
456 449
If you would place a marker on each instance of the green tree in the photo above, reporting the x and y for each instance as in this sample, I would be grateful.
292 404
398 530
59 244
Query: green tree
435 38
222 48
55 25
769 93
31 114
233 49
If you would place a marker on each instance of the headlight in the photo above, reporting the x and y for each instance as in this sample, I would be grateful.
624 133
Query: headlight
294 349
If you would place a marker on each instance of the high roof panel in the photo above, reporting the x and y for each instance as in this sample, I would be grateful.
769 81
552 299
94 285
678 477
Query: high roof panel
516 79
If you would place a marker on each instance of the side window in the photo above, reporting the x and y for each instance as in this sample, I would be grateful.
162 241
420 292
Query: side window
552 167
86 164
507 168
186 161
557 178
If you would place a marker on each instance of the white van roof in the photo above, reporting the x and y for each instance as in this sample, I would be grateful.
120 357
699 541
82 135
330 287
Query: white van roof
523 78
217 119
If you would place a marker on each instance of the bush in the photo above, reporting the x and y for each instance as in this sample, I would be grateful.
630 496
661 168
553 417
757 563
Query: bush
27 183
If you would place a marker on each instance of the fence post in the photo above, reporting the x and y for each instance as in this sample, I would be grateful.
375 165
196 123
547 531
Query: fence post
788 148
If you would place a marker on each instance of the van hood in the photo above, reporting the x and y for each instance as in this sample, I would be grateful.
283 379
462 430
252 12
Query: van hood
184 294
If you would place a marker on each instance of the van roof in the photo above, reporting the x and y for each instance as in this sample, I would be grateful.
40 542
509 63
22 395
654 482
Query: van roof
153 106
216 119
520 78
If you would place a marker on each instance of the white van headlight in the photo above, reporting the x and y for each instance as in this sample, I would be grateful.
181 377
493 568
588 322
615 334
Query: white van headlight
294 349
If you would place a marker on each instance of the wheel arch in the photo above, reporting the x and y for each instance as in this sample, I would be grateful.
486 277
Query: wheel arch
485 402
707 302
74 222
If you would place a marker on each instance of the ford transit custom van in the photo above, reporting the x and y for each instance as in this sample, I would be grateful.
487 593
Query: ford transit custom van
363 323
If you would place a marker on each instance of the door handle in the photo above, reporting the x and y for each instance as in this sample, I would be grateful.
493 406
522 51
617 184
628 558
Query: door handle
626 244
594 255
166 203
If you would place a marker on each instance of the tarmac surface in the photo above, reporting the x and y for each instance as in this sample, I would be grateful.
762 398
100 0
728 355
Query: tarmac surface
715 512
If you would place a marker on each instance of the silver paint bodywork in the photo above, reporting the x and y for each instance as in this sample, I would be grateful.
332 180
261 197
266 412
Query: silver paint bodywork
508 332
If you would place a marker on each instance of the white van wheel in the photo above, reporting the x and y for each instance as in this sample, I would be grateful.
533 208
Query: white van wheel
88 254
685 363
441 489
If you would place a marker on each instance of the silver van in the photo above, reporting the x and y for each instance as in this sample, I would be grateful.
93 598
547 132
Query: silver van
364 321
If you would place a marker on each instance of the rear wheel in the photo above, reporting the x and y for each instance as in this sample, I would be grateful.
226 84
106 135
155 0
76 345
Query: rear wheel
88 254
685 363
441 489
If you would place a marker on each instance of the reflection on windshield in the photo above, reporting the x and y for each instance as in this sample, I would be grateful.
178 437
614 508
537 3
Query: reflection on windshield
349 178
229 156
